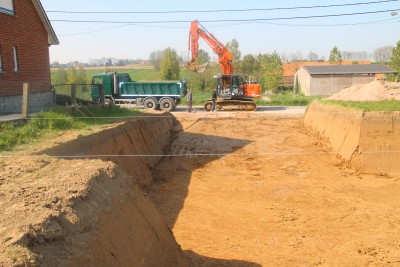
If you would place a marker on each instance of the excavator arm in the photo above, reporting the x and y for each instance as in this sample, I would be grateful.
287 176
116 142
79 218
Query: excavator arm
224 56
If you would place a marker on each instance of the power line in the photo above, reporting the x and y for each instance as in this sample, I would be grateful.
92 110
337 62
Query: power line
240 23
333 25
225 20
221 10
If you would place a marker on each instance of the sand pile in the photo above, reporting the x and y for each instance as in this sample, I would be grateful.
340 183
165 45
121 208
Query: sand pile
373 91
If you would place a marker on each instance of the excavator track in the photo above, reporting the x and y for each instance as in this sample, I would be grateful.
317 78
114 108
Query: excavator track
232 105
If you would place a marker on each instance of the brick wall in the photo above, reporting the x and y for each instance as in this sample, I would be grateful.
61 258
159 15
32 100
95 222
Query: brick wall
25 31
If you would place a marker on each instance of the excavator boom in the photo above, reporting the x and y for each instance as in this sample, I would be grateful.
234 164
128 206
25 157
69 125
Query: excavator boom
233 92
224 56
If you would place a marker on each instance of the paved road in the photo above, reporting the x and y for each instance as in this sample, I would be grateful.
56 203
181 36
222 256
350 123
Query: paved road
289 110
10 117
180 110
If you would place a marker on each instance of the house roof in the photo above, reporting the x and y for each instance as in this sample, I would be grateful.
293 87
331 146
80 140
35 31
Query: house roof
289 69
349 69
52 37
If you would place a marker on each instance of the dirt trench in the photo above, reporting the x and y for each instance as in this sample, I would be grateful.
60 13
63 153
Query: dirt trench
231 189
79 200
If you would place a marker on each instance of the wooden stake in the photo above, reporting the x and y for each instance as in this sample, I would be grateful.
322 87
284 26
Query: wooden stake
25 101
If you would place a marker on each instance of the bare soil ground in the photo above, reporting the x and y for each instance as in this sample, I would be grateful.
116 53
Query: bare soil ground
236 189
267 193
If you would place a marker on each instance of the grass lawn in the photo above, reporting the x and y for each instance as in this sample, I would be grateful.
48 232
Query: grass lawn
384 105
51 122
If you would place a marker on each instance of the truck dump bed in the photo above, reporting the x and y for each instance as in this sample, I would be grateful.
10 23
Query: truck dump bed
151 88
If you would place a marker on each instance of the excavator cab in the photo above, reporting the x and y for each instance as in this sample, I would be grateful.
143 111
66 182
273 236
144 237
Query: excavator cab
230 86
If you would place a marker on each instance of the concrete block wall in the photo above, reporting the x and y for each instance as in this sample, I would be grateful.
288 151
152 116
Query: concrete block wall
37 102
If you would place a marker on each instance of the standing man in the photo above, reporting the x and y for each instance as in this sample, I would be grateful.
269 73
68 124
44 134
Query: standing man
189 98
214 100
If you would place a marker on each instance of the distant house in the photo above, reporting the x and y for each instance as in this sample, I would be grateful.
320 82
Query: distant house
25 37
289 69
330 79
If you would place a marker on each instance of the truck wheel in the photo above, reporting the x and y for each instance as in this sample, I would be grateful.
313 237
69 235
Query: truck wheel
107 102
167 104
150 103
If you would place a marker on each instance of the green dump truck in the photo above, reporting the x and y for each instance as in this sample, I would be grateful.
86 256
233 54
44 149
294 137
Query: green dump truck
119 88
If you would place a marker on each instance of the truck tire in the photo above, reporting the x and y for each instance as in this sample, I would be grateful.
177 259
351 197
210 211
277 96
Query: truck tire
150 103
108 102
166 104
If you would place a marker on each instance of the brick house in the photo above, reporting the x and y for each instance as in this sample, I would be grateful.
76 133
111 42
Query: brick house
25 37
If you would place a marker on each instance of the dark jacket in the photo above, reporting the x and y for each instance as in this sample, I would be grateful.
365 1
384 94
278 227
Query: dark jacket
214 96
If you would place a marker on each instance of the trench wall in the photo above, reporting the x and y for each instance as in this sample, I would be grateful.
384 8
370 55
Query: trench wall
369 141
136 146
117 225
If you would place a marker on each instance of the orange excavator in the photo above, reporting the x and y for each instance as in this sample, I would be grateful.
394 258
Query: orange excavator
234 93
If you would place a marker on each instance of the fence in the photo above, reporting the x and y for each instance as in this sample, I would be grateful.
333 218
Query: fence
64 93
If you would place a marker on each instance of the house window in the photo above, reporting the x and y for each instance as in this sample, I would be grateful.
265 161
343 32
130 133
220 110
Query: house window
15 58
6 6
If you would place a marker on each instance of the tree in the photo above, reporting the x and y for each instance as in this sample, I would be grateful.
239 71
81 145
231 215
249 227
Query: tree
295 57
354 55
72 75
169 66
233 48
249 64
270 71
204 81
155 59
383 54
335 56
312 56
395 61
60 77
55 64
202 57
77 76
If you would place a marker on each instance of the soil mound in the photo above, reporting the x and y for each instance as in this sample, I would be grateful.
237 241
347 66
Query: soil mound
373 91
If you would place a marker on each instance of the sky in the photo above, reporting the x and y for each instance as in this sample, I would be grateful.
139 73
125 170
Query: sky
135 35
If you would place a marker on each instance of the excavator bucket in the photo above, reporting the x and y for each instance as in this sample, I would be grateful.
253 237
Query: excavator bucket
197 68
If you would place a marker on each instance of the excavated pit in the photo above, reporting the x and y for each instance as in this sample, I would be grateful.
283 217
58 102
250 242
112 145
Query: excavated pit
85 201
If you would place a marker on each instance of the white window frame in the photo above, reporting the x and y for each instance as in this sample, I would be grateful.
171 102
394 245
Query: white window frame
15 53
7 7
